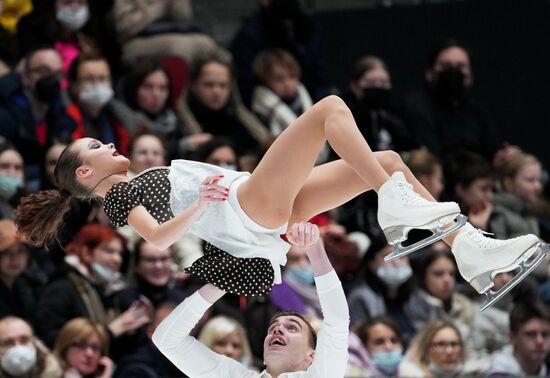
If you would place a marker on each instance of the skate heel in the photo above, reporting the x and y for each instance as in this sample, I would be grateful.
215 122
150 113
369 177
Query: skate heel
482 283
395 234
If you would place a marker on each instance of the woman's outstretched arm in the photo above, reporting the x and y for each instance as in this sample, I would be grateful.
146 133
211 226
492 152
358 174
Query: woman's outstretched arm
164 235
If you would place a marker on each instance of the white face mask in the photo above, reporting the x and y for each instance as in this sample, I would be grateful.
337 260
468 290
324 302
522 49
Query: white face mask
73 20
96 96
394 275
19 359
104 274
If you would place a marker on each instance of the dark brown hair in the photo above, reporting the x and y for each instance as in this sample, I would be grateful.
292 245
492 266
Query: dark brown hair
40 215
312 334
139 73
365 64
363 330
72 74
203 59
266 60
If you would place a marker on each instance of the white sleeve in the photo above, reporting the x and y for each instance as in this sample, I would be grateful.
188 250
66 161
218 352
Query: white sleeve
331 353
189 355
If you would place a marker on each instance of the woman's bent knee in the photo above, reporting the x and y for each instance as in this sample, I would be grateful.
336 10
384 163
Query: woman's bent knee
390 160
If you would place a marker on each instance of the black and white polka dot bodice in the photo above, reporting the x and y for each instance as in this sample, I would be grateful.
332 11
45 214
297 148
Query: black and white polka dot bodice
150 189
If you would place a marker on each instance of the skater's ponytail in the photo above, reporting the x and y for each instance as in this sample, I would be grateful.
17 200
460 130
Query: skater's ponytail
39 216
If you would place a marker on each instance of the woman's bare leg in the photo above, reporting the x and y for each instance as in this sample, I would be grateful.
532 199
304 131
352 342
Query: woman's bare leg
268 196
333 184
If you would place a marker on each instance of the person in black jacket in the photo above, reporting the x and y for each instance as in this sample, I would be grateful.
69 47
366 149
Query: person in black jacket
32 114
442 116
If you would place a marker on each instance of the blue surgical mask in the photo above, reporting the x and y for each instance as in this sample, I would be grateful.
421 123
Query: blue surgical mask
301 275
387 361
438 372
231 167
104 274
9 185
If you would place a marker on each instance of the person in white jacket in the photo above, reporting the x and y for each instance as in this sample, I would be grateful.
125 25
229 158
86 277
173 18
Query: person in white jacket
291 347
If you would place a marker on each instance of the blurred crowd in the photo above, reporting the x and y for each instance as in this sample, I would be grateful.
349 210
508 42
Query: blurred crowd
143 75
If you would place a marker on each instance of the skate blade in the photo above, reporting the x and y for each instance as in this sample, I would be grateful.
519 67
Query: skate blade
525 267
438 234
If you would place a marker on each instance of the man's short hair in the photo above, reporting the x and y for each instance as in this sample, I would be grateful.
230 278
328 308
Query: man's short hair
443 44
312 334
524 312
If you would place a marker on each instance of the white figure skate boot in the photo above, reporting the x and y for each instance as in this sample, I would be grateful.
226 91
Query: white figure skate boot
480 259
400 210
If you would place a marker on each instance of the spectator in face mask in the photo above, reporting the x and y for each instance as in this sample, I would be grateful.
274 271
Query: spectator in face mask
442 116
12 180
32 115
21 354
94 110
369 97
375 349
382 288
81 286
297 292
71 26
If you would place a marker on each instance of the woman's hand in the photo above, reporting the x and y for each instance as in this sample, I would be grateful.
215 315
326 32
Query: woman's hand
139 314
304 235
105 367
210 191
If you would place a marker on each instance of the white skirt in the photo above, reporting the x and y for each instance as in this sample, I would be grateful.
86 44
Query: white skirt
225 225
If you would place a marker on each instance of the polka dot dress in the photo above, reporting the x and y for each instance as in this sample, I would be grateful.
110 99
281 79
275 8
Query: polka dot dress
151 189
243 276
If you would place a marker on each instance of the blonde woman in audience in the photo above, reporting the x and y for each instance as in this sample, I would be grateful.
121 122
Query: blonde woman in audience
81 349
437 351
227 337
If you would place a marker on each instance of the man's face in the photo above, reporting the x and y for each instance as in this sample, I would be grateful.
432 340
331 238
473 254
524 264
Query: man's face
42 63
286 346
453 57
14 332
213 86
532 341
90 73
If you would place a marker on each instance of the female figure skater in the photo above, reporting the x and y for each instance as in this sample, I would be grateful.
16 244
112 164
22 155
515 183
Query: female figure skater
241 216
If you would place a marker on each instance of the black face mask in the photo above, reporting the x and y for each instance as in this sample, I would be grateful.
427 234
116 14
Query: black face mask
449 85
376 98
285 9
47 89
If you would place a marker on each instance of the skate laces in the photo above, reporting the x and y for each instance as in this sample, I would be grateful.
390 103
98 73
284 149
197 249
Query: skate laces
480 237
408 194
